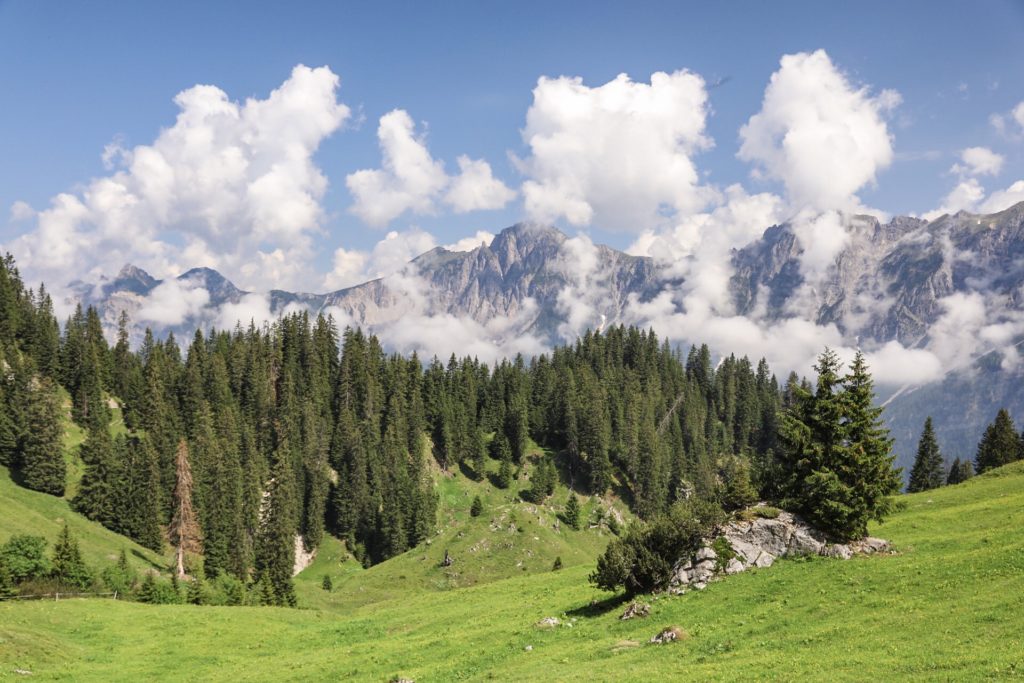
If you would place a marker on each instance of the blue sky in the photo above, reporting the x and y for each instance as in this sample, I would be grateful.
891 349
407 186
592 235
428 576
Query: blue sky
75 77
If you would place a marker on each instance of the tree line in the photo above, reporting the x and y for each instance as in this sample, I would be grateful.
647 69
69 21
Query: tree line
243 443
1000 445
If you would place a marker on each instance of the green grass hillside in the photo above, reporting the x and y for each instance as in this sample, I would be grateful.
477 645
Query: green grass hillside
511 538
28 512
948 606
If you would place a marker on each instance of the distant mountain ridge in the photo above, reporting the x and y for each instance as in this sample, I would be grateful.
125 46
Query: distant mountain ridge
887 283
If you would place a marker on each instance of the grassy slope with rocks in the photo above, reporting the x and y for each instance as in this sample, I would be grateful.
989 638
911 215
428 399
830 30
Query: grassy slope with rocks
948 606
509 539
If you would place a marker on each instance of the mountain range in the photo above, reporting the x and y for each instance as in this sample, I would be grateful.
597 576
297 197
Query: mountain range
920 283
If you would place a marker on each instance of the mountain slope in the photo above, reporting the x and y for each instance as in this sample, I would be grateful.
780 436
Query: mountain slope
948 606
955 284
28 512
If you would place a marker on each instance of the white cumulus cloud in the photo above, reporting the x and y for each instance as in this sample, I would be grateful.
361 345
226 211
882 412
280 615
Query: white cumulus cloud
410 179
233 182
619 155
818 134
977 161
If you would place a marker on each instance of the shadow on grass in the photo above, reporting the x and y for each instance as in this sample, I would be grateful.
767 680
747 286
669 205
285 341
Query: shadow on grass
151 563
598 607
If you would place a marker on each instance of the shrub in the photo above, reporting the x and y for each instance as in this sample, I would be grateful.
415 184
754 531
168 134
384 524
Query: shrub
327 584
25 557
225 590
158 592
642 560
557 565
477 507
723 551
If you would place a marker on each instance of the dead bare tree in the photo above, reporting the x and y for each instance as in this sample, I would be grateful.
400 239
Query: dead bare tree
184 528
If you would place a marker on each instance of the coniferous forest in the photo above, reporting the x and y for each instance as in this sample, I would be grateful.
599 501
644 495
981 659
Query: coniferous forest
240 445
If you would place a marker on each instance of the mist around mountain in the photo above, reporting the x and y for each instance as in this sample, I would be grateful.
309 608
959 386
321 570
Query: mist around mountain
937 305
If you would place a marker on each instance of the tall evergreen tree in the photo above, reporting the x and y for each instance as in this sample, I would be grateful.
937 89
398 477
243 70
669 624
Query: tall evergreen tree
1000 444
836 454
42 458
102 482
959 472
275 557
927 472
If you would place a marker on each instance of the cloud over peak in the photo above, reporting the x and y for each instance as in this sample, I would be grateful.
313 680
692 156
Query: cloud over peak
819 135
616 155
227 185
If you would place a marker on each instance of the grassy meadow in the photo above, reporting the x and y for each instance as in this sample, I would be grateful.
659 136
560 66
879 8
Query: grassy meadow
949 605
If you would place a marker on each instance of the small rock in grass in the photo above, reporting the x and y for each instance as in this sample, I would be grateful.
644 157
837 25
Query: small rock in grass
669 635
636 609
528 648
548 622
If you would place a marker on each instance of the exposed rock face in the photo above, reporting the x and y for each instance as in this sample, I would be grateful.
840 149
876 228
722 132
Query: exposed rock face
887 284
302 558
759 543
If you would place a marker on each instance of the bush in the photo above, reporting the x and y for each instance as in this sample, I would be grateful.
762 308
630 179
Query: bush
225 590
158 592
327 584
120 579
642 560
557 565
25 558
477 507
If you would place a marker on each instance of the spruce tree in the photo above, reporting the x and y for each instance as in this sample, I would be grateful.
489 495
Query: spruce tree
927 472
68 566
1000 444
959 472
836 453
7 586
275 557
101 483
572 512
506 473
43 468
477 507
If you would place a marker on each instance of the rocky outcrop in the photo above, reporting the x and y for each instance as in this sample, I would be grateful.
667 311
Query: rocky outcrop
635 609
758 543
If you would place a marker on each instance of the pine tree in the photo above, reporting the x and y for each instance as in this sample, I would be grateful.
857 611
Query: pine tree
101 483
959 472
184 528
479 457
68 566
572 512
836 453
7 587
43 468
738 492
927 472
275 557
1000 444
506 474
477 507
